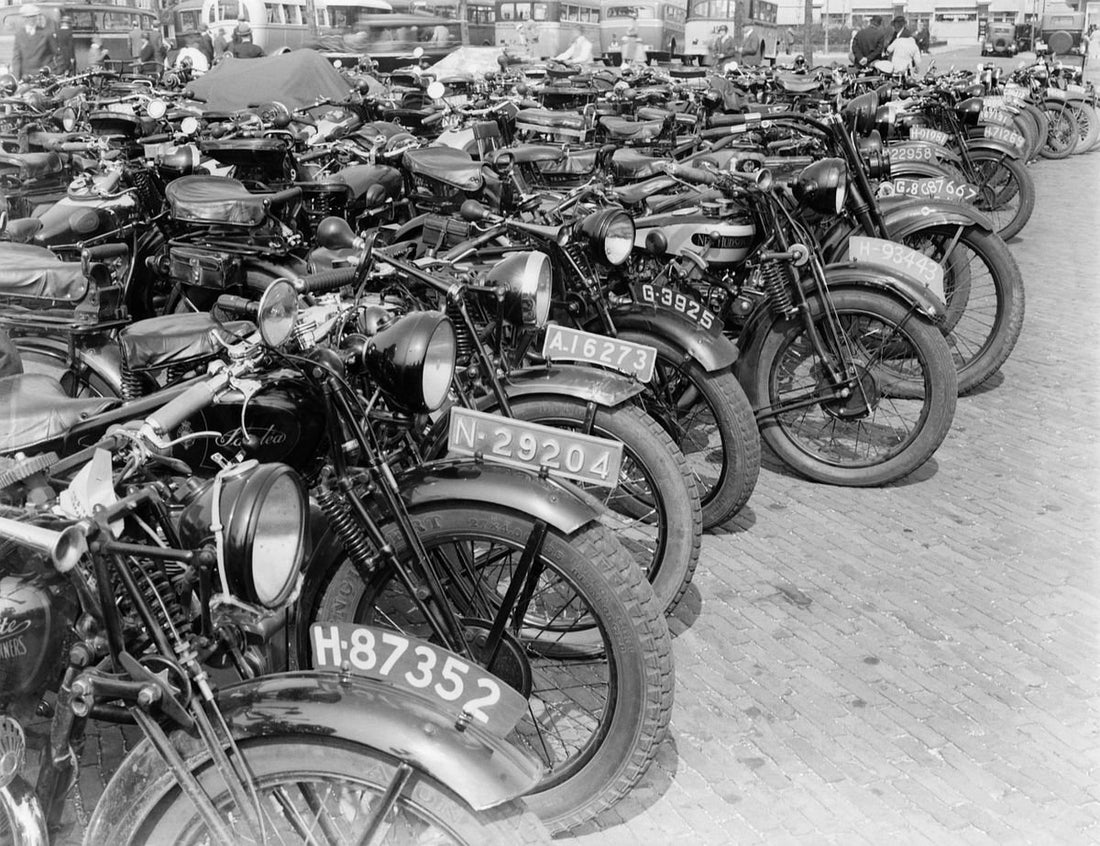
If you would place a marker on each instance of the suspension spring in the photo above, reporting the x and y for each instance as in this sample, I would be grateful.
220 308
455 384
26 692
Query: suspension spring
159 594
131 384
143 183
351 535
776 277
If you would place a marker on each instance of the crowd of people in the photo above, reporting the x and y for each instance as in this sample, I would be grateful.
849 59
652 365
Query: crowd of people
891 48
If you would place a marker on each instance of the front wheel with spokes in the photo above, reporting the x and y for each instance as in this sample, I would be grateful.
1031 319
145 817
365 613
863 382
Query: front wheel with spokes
1006 191
591 649
860 433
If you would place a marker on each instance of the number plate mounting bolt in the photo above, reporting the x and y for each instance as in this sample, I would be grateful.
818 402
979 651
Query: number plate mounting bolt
462 721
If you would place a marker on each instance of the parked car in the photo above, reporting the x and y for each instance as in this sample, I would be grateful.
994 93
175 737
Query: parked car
1000 40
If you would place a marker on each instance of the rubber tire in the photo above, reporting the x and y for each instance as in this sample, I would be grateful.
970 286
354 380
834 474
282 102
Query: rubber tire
647 444
642 650
1008 284
1061 139
1042 119
171 819
936 422
1018 176
1088 127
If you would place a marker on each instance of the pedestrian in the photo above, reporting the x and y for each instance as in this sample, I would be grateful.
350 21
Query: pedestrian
219 44
135 36
242 46
66 48
205 44
580 49
632 49
788 37
35 45
867 43
97 56
923 37
752 47
723 49
147 55
1094 45
903 52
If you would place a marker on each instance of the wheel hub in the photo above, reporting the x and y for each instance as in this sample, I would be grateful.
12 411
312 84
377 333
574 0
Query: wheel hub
510 665
861 398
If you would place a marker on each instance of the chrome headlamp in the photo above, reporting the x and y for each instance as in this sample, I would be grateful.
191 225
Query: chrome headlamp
524 282
873 154
264 531
823 186
410 360
610 234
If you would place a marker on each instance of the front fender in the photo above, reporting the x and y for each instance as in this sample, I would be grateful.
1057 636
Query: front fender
482 769
916 169
939 152
713 352
912 292
904 215
588 384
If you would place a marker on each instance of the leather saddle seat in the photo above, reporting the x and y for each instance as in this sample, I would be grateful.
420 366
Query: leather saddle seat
623 129
631 195
550 119
35 273
214 199
536 154
174 339
574 162
359 178
630 164
443 164
654 113
797 84
34 408
32 165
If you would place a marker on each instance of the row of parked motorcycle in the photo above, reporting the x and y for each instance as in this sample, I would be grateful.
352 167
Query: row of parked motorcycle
357 451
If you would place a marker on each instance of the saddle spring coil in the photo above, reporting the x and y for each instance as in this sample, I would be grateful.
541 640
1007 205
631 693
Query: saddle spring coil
351 535
776 277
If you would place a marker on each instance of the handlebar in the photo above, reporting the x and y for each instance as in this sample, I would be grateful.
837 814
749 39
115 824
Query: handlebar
694 175
192 400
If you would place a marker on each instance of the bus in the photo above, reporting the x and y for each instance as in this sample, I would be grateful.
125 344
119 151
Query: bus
659 24
481 18
112 24
542 30
705 16
274 25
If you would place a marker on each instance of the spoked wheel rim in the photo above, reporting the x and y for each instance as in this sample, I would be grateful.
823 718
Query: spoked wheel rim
880 357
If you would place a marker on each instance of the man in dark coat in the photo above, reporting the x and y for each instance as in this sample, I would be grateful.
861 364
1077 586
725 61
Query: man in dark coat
66 50
869 43
242 46
35 45
206 44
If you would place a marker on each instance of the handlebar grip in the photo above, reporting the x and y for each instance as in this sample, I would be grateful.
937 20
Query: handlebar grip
156 139
237 305
194 399
691 174
326 280
104 252
73 147
281 198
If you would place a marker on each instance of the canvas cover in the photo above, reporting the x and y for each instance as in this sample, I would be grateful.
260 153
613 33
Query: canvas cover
295 79
33 272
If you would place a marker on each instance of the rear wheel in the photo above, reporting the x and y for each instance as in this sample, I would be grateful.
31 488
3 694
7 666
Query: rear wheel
591 650
1088 126
1006 191
1061 140
873 436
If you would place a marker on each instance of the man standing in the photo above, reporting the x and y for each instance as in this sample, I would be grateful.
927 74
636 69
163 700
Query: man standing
66 49
136 36
242 47
206 44
724 48
752 48
788 37
579 52
867 45
923 37
35 46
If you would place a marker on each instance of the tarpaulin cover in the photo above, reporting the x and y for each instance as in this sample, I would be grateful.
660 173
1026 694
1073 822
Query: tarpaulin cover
295 79
35 408
36 273
217 199
177 339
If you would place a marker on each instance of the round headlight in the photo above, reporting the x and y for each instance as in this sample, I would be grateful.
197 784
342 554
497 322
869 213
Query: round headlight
277 312
263 510
524 281
412 360
610 235
156 109
823 186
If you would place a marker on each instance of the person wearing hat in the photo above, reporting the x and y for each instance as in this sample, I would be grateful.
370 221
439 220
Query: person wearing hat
633 49
135 37
723 49
35 46
97 54
205 44
66 49
242 46
147 55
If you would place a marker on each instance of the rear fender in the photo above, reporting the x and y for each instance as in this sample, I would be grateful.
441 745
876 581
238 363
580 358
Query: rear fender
713 352
995 145
588 384
480 768
105 362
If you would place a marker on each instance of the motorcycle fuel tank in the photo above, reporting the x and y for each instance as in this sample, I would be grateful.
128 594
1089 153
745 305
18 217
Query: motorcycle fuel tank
720 241
33 624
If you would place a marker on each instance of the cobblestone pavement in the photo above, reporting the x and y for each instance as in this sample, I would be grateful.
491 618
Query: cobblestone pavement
909 665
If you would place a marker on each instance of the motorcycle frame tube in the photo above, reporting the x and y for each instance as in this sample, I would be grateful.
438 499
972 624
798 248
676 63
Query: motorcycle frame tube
483 770
24 813
713 352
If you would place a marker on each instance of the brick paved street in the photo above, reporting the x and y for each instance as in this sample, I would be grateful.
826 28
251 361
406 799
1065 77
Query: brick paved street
914 665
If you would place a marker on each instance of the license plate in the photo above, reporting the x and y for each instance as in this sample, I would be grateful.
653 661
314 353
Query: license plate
999 116
898 257
935 188
573 455
661 296
423 668
926 133
910 153
1003 133
120 108
565 344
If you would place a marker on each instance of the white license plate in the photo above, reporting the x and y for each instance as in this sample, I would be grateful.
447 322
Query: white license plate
898 257
910 153
926 133
1003 133
423 668
935 188
120 108
565 344
583 458
661 296
999 116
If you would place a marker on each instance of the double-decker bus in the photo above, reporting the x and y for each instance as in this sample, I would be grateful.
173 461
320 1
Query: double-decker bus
659 24
112 24
545 29
705 16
